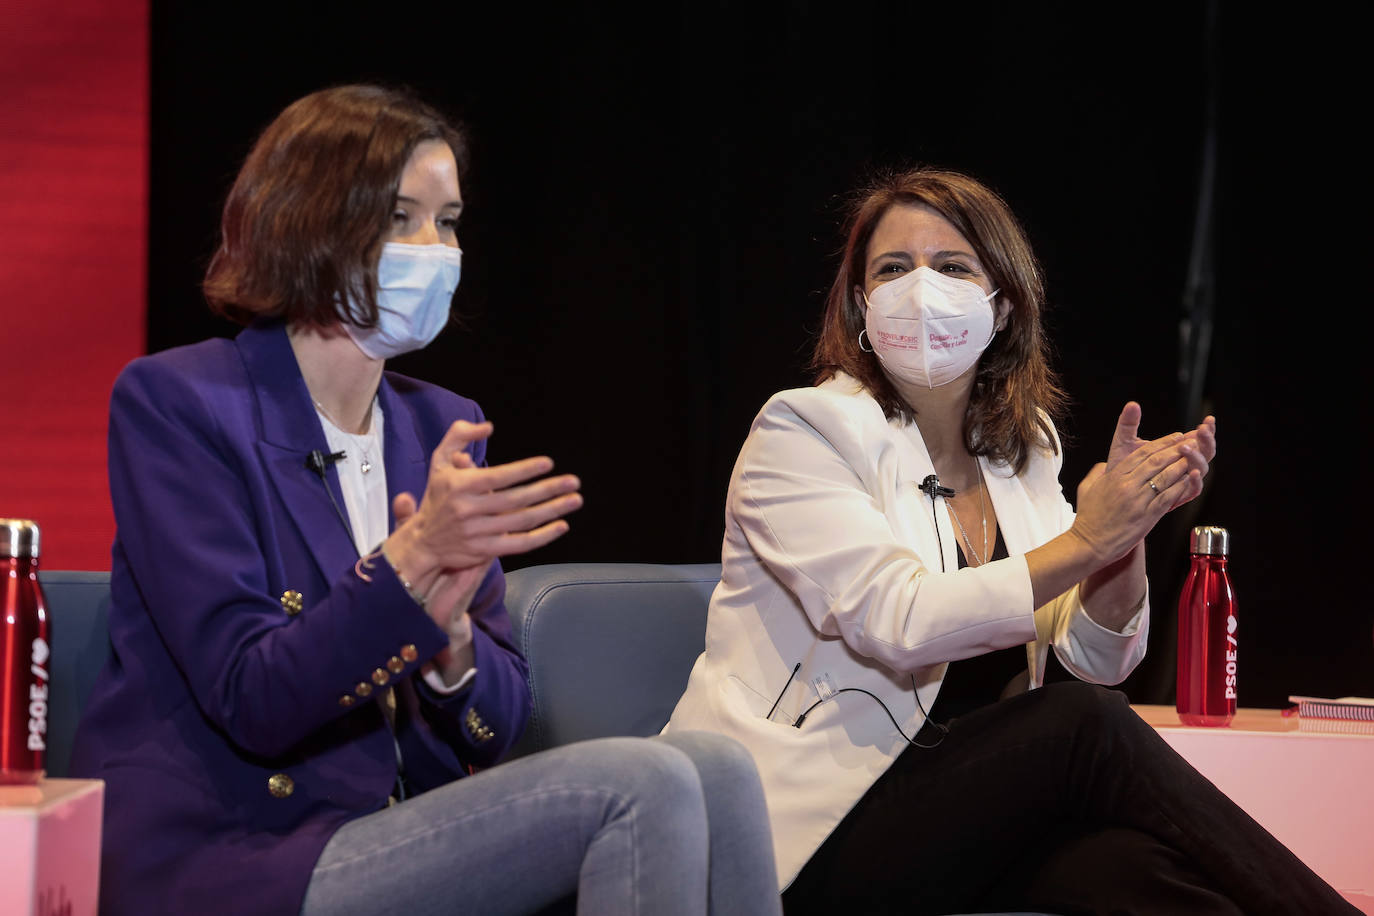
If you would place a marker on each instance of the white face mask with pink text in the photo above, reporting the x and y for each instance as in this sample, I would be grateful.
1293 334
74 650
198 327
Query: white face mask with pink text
927 328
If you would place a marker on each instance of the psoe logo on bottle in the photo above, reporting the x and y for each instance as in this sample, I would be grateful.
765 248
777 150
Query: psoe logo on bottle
38 695
1230 657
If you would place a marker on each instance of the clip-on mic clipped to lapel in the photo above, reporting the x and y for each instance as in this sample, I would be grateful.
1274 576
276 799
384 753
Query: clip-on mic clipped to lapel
318 461
931 487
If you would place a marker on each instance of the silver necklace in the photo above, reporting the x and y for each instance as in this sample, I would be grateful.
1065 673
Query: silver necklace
982 509
362 441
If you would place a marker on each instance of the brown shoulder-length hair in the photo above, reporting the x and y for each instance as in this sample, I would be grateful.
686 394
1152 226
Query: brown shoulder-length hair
1016 395
305 221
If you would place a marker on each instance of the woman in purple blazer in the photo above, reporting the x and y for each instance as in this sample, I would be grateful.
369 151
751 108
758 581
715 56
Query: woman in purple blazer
311 652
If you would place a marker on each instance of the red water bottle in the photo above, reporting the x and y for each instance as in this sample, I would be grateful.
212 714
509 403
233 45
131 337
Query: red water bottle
1207 633
23 656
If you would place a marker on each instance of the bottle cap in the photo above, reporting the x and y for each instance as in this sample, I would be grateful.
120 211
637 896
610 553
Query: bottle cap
18 538
1210 539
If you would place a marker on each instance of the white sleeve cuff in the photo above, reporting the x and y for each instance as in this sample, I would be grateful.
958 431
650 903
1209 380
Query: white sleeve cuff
437 684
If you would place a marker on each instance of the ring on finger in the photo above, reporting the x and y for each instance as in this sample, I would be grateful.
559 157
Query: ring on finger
1151 483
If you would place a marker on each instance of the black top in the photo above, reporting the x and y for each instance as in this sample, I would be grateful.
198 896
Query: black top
974 682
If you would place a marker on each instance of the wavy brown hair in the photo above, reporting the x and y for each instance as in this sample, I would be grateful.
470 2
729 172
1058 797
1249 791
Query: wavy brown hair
305 221
1016 396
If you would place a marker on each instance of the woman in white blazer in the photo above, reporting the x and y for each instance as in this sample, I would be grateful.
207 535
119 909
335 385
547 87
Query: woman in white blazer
900 526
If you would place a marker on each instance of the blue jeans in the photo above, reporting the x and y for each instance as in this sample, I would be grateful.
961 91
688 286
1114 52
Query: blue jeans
674 824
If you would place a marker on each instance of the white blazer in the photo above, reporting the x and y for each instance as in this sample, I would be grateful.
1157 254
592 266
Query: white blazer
831 559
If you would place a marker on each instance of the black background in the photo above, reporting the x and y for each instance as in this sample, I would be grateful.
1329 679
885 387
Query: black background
653 215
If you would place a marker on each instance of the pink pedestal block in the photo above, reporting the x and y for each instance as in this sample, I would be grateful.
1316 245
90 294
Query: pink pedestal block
50 847
1307 783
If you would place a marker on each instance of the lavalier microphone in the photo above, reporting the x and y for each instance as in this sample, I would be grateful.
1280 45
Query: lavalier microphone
931 487
318 461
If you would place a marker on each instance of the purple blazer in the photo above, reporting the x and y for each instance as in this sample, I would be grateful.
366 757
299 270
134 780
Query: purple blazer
237 725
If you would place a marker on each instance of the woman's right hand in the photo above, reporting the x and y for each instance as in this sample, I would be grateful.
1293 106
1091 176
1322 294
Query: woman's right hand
471 515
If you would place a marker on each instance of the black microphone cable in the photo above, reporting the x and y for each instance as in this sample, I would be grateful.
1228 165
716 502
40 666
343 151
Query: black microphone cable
942 729
795 669
931 487
318 462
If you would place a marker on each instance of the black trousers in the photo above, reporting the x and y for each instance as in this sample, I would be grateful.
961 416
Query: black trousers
1061 800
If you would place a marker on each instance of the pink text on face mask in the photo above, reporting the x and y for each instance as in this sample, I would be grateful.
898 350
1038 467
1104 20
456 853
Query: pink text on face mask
899 341
948 341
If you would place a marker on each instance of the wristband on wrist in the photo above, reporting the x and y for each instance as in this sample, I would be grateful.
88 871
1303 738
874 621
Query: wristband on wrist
366 563
405 583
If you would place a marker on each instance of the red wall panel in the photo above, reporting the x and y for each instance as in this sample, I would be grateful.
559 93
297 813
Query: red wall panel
73 255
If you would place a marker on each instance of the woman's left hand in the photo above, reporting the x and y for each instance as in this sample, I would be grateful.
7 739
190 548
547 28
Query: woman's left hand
451 593
1126 439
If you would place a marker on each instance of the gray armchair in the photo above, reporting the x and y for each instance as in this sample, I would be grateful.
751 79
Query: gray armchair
610 645
78 610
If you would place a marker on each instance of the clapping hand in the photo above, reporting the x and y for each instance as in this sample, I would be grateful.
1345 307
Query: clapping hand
1202 439
1121 499
469 516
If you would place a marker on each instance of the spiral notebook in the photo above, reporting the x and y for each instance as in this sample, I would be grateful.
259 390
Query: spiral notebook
1358 709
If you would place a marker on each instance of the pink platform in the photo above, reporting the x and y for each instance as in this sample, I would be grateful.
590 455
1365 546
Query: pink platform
50 847
1309 783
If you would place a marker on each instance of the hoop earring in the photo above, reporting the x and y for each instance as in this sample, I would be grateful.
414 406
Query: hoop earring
861 341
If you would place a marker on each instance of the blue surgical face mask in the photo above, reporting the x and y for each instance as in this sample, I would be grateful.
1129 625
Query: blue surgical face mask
415 285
